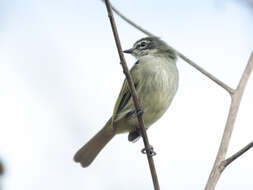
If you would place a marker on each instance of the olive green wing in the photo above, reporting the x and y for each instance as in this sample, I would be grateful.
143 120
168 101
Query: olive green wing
123 98
123 103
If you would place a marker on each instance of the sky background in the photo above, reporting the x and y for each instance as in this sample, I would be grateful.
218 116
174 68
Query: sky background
60 77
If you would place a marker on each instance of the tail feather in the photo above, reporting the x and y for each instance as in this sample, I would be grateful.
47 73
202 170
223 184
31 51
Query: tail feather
91 149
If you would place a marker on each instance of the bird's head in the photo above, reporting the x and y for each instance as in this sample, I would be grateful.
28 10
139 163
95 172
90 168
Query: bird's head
150 46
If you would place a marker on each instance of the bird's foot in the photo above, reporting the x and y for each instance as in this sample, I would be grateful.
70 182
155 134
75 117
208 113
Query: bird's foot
149 151
140 112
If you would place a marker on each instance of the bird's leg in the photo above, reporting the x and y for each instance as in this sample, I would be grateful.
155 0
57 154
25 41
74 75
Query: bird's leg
133 114
149 151
140 112
134 135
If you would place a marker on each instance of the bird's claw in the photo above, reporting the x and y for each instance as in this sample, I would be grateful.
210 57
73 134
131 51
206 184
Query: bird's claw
149 151
140 112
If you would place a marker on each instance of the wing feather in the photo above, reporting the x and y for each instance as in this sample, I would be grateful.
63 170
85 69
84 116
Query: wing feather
124 96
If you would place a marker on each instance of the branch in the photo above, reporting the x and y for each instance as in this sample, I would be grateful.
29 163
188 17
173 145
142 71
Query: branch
1 168
134 96
1 173
232 158
207 74
131 23
236 96
236 99
182 56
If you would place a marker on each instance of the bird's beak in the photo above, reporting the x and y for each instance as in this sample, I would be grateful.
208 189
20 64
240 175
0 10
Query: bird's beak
129 50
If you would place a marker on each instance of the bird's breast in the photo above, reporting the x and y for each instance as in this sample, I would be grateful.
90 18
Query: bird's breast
160 83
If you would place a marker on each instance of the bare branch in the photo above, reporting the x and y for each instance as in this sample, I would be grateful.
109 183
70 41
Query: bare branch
131 22
229 160
209 75
200 69
236 99
134 96
1 168
236 96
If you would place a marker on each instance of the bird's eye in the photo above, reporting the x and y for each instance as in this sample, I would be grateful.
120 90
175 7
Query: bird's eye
143 44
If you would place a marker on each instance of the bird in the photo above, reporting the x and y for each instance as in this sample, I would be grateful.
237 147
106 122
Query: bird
155 77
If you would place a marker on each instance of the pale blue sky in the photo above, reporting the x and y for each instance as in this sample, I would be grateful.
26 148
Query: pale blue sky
60 77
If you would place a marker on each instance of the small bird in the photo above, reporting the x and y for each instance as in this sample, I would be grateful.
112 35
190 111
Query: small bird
155 77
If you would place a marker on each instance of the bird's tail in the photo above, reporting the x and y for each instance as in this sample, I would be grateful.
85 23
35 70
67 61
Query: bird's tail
91 149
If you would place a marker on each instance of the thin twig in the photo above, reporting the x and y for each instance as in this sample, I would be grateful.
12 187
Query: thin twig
1 168
229 160
131 22
236 98
209 75
134 96
182 56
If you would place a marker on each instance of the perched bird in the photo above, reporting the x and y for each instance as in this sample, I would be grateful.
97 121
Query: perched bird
155 77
